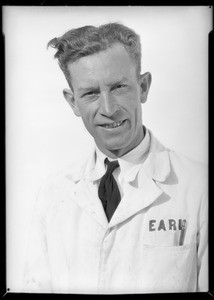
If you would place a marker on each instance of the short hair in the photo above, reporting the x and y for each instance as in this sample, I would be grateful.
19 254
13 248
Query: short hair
88 40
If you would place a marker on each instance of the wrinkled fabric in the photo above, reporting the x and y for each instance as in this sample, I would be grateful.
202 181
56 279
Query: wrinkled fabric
108 190
74 249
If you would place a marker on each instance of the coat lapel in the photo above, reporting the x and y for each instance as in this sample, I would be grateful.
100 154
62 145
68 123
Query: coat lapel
83 189
85 194
136 199
155 169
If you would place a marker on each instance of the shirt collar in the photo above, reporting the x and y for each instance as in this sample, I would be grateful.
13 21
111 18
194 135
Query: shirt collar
130 163
150 157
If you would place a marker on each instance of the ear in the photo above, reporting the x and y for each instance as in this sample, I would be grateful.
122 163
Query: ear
69 96
145 82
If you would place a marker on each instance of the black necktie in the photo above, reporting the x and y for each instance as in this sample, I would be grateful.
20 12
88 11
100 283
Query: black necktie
108 191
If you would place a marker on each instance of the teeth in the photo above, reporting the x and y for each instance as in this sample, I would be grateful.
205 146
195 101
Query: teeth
113 125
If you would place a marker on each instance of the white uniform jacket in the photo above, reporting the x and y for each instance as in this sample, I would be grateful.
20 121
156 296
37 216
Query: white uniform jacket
156 240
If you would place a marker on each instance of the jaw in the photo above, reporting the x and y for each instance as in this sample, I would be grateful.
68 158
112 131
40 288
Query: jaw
117 146
111 153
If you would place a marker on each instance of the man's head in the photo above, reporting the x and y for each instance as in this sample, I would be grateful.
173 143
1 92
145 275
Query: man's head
102 66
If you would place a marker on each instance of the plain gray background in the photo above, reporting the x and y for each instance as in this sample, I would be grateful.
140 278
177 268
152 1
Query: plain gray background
42 134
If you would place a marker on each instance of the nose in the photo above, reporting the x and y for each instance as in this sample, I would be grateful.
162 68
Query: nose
108 105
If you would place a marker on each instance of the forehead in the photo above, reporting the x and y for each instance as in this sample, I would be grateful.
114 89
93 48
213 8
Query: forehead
103 67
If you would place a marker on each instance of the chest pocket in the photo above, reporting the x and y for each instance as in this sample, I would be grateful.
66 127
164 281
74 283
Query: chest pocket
169 268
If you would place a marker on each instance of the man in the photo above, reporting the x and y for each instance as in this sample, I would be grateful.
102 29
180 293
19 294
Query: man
133 217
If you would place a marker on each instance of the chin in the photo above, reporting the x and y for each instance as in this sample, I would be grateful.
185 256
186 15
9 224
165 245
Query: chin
117 148
114 146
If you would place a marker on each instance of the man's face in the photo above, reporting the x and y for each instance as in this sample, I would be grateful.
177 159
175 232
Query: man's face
107 95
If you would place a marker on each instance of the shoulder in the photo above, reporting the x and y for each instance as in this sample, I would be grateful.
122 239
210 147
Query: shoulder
183 167
186 166
57 184
191 176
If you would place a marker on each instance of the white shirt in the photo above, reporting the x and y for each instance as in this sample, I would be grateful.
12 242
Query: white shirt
73 248
129 164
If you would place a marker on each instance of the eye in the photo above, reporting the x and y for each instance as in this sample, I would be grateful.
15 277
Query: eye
91 93
118 86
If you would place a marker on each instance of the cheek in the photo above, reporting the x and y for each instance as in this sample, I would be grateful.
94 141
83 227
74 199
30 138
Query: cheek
132 104
87 113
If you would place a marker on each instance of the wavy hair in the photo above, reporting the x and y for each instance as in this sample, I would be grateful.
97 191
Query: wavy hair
88 40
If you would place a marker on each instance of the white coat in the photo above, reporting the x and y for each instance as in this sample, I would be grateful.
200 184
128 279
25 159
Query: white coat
73 248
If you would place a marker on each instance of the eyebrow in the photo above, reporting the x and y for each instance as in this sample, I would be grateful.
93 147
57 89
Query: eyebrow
123 79
90 88
96 88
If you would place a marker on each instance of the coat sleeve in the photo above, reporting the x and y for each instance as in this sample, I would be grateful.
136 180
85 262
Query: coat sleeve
37 275
203 246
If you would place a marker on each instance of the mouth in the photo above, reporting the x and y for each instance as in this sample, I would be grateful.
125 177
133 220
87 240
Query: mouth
113 125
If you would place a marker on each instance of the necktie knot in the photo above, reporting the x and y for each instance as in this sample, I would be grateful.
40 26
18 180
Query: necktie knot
111 165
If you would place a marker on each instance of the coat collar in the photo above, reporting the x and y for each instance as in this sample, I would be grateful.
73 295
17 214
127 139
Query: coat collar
157 164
